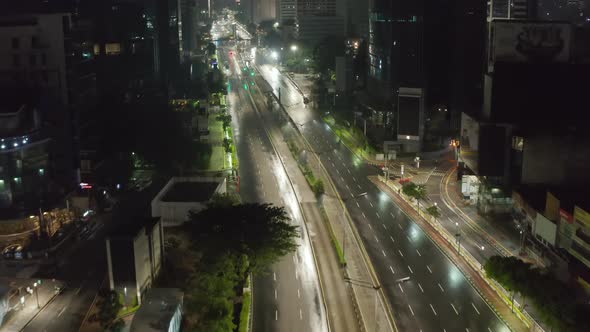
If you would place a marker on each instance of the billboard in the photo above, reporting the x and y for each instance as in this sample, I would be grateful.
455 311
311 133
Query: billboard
528 41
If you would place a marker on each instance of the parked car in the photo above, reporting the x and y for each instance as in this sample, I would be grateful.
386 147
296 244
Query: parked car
8 252
18 252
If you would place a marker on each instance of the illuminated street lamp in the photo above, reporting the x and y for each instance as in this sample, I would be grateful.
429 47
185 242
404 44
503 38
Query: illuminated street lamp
37 294
294 48
275 55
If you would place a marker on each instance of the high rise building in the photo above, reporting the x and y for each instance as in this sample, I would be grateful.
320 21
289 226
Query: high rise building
319 19
37 161
287 11
395 73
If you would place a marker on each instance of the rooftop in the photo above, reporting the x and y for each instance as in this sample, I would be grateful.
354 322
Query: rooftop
132 227
190 192
157 310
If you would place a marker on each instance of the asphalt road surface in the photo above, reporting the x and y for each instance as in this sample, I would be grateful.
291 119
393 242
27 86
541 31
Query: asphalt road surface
288 297
437 296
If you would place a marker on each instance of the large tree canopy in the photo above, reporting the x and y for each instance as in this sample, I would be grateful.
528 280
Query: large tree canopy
260 231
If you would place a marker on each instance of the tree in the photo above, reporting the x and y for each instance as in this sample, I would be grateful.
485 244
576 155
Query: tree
223 200
225 118
108 308
227 145
433 211
416 191
260 231
211 49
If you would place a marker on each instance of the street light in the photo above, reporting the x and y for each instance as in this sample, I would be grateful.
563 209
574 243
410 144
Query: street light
36 294
293 48
275 55
458 236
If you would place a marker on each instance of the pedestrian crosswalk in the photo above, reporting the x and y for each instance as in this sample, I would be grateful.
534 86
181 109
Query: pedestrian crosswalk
438 173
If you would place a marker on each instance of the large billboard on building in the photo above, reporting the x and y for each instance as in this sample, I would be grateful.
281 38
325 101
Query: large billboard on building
529 41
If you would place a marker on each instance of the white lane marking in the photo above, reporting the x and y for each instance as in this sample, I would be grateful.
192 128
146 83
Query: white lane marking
364 215
333 165
418 253
392 240
354 179
371 204
294 260
378 216
348 171
412 311
347 187
300 314
276 315
275 293
474 307
61 311
400 252
337 171
455 309
429 270
351 194
489 329
400 226
431 307
384 226
358 185
410 269
342 179
274 276
391 213
421 287
296 275
384 254
357 204
264 193
371 227
298 294
376 239
441 288
409 240
466 330
392 271
400 287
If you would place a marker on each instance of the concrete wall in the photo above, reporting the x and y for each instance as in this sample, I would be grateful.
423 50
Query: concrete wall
142 262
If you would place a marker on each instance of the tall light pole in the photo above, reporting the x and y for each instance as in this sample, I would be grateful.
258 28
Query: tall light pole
36 294
458 236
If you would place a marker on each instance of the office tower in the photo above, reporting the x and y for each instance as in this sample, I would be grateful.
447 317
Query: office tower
319 19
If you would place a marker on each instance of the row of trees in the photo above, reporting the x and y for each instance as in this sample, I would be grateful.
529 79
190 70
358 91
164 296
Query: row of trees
233 240
554 300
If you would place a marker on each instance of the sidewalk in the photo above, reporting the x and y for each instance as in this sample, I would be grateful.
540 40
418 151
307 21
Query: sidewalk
20 314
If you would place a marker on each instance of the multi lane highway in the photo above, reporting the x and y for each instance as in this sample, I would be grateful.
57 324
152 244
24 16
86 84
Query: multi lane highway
437 296
288 298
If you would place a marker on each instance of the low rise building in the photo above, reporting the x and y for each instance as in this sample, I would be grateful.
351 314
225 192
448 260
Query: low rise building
134 258
182 195
161 311
558 218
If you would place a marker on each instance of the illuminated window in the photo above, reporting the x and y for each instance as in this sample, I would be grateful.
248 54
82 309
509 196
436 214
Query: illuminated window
113 48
